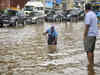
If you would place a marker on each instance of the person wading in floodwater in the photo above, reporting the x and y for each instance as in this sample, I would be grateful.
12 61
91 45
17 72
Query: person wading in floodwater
52 35
90 33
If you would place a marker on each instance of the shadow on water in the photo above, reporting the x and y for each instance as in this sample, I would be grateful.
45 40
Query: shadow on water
51 48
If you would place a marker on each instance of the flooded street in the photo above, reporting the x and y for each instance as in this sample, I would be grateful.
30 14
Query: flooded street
24 51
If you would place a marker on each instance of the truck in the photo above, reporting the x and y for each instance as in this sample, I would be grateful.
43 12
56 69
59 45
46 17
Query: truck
33 6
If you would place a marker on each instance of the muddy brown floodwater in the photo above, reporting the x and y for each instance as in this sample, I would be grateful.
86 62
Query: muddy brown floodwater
24 51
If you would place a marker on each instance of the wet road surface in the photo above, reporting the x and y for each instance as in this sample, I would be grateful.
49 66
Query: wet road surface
24 51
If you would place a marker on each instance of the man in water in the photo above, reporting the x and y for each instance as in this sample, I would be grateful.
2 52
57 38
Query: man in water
90 33
52 35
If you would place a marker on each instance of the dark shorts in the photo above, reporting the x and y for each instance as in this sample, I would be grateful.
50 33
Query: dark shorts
89 43
51 42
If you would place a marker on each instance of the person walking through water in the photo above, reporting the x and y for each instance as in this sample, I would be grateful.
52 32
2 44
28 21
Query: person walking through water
52 35
90 33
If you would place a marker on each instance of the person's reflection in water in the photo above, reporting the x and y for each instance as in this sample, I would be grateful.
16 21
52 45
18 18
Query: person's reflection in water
51 48
91 70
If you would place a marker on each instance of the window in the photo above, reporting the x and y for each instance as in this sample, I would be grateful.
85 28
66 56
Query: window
28 8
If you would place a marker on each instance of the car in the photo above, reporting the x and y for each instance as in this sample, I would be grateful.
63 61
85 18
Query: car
68 15
12 18
50 17
74 14
60 17
81 15
35 17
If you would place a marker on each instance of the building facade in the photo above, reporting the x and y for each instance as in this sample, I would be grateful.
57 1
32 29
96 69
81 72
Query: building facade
12 4
4 4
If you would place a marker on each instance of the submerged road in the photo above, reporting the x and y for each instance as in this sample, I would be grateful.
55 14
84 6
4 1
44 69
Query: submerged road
24 51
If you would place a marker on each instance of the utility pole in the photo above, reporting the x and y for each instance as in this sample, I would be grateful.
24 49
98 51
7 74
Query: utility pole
9 3
54 4
85 1
44 4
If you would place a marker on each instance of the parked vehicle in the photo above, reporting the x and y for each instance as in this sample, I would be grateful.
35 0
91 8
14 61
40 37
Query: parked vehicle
60 17
53 16
74 14
35 17
12 17
32 6
50 17
81 15
68 15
